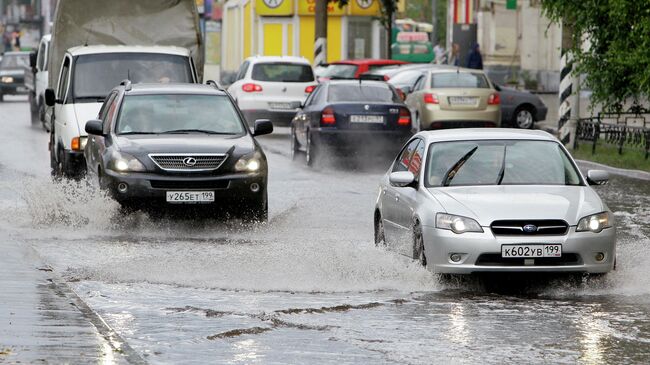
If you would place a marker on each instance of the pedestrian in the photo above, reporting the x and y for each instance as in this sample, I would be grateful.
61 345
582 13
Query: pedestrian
439 53
454 57
474 58
6 41
16 40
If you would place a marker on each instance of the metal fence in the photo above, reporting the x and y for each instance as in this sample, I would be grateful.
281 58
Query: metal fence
625 130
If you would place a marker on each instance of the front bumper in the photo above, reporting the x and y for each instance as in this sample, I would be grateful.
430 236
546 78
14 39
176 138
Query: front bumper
152 188
481 252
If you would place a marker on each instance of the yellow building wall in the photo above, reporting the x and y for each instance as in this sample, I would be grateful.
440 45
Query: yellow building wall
273 39
248 16
307 34
289 39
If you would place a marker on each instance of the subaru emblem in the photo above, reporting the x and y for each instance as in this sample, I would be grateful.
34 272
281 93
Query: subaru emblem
530 228
189 161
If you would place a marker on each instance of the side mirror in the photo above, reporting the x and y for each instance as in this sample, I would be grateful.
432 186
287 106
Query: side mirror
50 97
32 60
401 179
597 177
262 127
95 127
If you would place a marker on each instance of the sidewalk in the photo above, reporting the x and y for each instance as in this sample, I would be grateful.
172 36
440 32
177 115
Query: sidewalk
42 320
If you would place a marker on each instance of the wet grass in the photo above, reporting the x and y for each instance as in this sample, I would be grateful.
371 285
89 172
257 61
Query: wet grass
632 158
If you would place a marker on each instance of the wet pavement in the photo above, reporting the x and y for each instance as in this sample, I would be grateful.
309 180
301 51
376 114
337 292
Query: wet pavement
310 287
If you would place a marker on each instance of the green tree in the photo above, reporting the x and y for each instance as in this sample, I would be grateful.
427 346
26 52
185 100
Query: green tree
611 46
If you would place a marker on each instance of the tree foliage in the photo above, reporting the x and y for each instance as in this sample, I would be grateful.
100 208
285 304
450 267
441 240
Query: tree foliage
611 46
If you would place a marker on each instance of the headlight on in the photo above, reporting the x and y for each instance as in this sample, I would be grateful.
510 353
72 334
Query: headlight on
122 162
249 163
7 79
595 223
457 224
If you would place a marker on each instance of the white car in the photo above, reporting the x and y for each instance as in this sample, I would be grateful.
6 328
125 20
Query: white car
272 87
485 200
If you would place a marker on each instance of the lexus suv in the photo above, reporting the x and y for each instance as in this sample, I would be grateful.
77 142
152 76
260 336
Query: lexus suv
169 144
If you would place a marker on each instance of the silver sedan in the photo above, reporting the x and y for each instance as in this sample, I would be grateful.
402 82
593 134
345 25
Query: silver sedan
481 200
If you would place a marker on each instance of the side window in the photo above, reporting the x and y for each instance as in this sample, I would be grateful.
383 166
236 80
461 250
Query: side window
109 112
64 81
40 58
416 160
419 84
242 71
404 159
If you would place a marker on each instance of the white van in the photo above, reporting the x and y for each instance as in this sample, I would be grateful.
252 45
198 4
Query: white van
36 80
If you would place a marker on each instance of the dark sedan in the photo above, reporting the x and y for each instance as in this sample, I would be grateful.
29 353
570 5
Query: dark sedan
12 74
345 116
178 144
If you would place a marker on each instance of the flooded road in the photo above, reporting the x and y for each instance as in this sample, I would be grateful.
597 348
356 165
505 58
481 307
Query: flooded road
310 287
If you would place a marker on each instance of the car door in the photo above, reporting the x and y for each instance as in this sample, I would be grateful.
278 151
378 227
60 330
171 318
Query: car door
62 109
310 113
391 195
406 201
413 100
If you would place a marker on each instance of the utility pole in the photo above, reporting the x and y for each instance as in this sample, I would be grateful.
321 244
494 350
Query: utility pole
320 43
569 93
434 21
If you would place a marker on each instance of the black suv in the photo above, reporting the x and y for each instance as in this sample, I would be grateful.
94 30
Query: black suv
166 144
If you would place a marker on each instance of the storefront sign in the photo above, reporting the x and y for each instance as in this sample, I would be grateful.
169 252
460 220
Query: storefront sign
274 7
308 7
364 7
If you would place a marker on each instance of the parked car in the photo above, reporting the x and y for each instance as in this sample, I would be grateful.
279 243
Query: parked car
177 144
12 74
347 115
386 73
494 200
520 109
454 98
352 69
36 79
272 87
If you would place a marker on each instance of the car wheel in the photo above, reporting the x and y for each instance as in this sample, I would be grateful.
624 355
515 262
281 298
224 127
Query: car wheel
59 168
294 145
418 245
380 237
41 113
523 118
312 151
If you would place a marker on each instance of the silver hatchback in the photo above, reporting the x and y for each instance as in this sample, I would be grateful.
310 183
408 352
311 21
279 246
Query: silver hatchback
486 200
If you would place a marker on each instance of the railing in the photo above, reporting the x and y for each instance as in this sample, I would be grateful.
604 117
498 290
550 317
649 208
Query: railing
624 130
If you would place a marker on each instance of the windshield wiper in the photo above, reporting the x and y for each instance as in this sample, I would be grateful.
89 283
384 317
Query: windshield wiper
127 133
502 172
99 99
456 167
185 131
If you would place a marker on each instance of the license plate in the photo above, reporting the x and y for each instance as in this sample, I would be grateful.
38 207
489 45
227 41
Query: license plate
281 106
190 197
366 119
531 251
462 100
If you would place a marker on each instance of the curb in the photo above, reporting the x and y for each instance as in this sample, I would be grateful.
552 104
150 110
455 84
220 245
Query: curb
634 174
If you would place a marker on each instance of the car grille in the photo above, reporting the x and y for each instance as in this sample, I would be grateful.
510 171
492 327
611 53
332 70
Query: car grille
495 259
190 184
188 162
542 227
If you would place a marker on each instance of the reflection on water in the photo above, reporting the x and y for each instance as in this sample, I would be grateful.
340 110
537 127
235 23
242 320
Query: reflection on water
592 327
458 332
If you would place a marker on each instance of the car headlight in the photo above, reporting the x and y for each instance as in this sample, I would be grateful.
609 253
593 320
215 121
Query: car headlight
457 224
122 162
249 163
595 222
7 79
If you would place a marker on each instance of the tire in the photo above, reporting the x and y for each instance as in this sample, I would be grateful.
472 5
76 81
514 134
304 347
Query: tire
523 118
295 151
418 245
41 113
380 237
311 155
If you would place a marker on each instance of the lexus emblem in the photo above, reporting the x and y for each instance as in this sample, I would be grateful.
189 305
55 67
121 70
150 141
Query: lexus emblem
530 228
189 161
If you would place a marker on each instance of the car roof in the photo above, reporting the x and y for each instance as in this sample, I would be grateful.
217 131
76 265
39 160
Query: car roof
471 134
354 82
457 69
174 88
84 50
368 61
292 59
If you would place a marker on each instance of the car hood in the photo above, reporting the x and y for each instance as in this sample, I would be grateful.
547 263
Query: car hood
184 143
85 112
489 203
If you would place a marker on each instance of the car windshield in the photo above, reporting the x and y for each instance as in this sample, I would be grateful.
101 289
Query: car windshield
282 72
14 61
178 113
499 162
97 74
341 71
360 92
454 79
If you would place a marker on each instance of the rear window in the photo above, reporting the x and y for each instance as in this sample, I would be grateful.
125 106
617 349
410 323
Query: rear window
441 80
341 71
283 72
15 61
358 92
